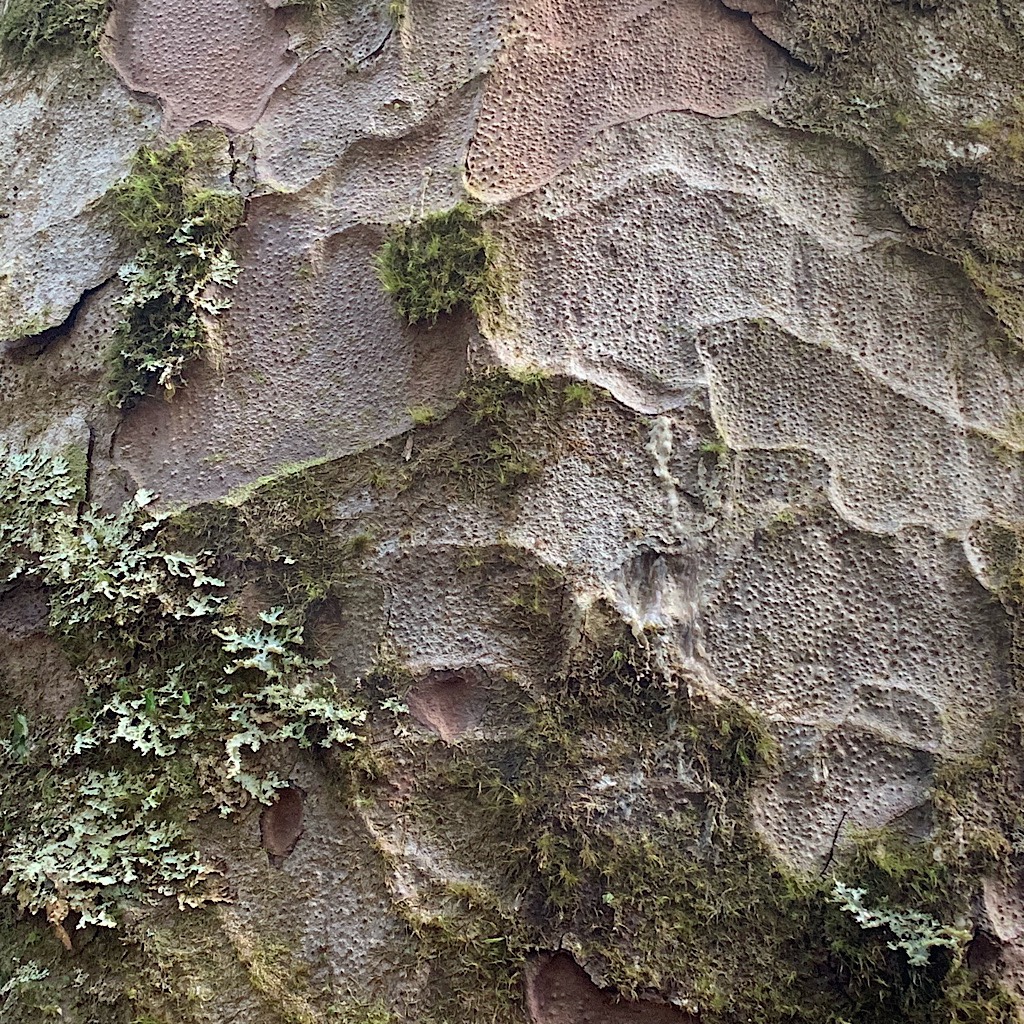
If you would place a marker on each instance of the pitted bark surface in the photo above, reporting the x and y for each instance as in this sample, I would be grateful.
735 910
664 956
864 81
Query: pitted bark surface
216 61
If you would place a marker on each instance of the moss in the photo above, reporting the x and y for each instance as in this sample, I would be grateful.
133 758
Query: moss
32 30
282 536
473 950
181 230
980 816
422 415
579 392
942 171
614 817
490 444
518 593
438 263
495 438
183 963
351 1011
278 978
320 8
39 981
397 11
999 284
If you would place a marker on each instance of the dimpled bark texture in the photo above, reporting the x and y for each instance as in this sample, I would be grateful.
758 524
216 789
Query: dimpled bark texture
789 252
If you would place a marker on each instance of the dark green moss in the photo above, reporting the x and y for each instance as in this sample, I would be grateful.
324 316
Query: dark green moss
495 439
434 265
283 536
474 950
32 30
40 981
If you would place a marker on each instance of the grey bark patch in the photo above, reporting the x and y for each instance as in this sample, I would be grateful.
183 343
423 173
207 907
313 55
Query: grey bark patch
281 825
559 991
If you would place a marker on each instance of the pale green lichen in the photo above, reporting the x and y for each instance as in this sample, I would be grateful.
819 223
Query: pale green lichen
297 702
181 697
21 986
95 841
917 934
175 287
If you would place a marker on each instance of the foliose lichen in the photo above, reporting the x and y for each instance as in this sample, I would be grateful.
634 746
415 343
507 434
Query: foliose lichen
175 287
180 696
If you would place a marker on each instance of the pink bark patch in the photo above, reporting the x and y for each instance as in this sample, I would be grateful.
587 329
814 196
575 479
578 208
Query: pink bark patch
448 703
559 991
579 66
205 60
281 825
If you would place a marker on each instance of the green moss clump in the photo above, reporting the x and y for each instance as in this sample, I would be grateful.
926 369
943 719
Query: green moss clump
617 812
173 286
282 535
34 29
496 437
438 263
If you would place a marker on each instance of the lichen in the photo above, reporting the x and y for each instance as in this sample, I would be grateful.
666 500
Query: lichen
561 825
92 842
175 286
182 695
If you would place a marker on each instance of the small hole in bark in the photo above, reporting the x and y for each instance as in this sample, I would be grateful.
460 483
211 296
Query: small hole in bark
559 991
983 951
448 702
281 825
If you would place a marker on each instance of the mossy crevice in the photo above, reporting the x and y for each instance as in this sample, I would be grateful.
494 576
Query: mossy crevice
561 824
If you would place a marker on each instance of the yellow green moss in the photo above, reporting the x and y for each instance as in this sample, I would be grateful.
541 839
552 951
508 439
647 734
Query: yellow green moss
616 811
32 30
440 262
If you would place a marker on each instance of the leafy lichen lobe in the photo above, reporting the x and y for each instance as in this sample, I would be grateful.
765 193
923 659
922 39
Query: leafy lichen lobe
174 287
